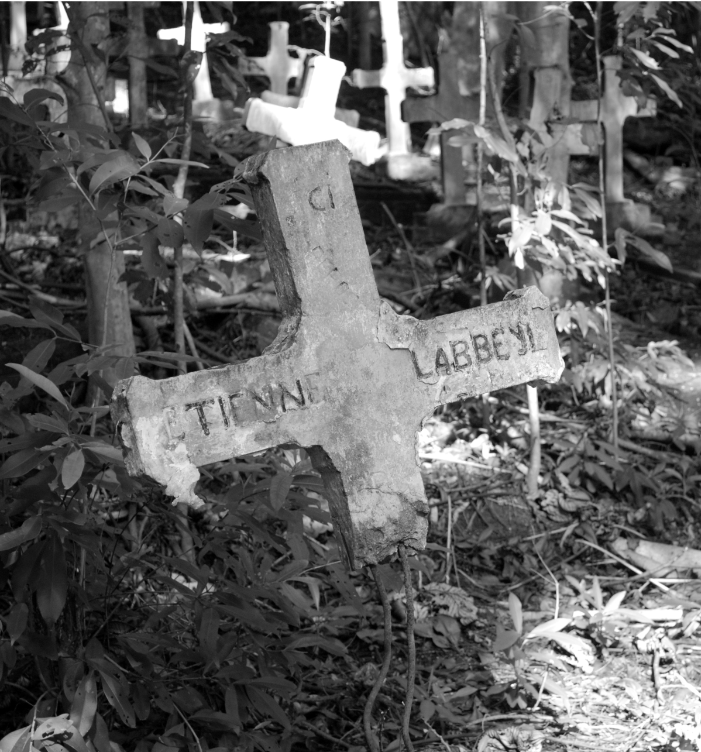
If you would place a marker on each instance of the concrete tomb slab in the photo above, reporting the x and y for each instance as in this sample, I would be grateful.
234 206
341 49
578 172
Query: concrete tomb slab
347 378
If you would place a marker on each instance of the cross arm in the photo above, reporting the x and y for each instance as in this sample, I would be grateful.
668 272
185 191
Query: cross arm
170 427
479 350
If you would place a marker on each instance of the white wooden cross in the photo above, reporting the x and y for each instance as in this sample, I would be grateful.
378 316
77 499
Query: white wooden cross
395 78
314 119
278 65
202 85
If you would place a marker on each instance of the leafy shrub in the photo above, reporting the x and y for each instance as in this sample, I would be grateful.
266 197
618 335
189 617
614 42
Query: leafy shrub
140 642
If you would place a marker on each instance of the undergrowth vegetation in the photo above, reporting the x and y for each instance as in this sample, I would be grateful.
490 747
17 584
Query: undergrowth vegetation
127 625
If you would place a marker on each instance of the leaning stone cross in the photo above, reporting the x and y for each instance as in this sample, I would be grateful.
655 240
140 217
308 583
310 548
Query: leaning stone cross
347 378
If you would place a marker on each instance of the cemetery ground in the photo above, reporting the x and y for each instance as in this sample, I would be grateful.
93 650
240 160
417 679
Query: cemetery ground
564 621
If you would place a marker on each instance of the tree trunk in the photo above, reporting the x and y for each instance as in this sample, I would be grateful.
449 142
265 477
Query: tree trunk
109 321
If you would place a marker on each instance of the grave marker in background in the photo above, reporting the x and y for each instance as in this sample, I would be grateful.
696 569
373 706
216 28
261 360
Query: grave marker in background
616 108
278 65
395 78
347 378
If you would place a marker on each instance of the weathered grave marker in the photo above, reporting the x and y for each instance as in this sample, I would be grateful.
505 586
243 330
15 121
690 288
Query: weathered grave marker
278 65
347 378
395 78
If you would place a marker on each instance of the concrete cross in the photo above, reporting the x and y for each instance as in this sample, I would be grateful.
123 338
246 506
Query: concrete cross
347 378
395 78
202 85
616 108
314 119
278 65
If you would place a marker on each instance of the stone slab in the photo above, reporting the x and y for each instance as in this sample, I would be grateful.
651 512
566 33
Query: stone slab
347 378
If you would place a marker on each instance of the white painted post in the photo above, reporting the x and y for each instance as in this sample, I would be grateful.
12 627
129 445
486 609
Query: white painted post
395 78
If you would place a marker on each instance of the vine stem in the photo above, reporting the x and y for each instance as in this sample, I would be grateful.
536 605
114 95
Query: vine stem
372 740
411 647
480 203
531 391
604 234
179 192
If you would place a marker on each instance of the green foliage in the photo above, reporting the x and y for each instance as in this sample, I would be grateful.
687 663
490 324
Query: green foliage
132 638
137 642
520 647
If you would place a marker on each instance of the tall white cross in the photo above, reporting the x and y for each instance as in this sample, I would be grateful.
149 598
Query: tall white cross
202 85
314 119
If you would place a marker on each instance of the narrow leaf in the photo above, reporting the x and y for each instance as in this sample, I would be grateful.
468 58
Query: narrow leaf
41 381
645 59
84 705
123 165
505 639
181 162
21 463
516 612
17 621
52 585
547 628
209 631
12 111
658 257
667 89
72 468
620 239
35 96
117 696
279 488
142 145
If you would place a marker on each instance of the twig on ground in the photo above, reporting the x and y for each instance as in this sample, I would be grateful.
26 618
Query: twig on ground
323 734
640 574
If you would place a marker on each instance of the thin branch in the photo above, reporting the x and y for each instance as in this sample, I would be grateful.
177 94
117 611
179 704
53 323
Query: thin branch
370 737
411 647
179 191
604 233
